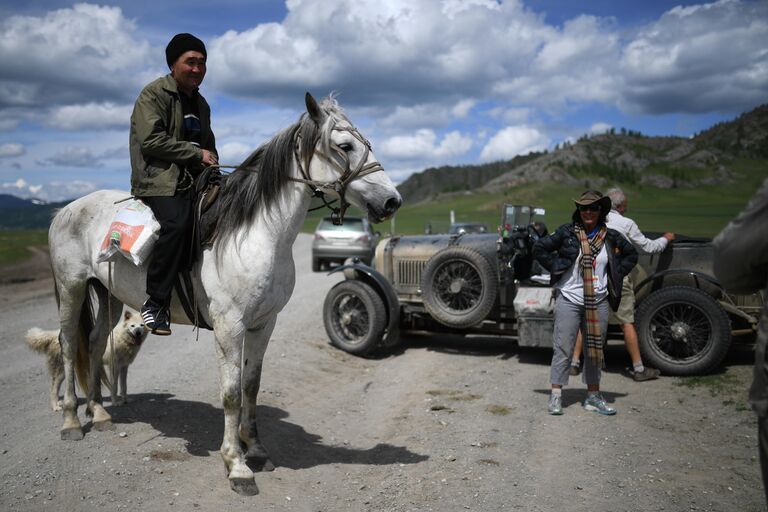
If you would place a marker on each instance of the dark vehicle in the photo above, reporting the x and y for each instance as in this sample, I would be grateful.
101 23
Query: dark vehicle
460 228
335 243
489 283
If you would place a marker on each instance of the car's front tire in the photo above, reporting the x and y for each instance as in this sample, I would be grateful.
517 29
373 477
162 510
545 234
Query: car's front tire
355 317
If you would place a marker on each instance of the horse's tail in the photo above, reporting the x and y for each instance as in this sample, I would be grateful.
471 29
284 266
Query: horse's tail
84 329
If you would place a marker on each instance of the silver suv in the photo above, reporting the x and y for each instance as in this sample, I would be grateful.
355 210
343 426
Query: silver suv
334 244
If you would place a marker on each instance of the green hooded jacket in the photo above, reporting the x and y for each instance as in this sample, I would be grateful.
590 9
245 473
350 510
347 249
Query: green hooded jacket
158 153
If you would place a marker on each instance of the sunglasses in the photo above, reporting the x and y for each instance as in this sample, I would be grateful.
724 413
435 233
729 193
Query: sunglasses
589 208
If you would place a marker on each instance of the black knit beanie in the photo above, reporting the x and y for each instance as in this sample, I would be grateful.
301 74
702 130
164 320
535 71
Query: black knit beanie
180 44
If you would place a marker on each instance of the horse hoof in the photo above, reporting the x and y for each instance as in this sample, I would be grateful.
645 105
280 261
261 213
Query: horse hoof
244 486
72 434
101 426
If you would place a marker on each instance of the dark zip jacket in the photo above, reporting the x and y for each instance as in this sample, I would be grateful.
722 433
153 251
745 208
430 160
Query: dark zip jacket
558 251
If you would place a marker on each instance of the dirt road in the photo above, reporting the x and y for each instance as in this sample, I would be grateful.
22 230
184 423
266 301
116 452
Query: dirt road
444 424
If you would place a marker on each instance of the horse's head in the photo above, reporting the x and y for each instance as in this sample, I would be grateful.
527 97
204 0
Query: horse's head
342 163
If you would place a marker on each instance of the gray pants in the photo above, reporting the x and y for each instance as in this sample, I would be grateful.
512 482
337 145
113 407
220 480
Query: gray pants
569 318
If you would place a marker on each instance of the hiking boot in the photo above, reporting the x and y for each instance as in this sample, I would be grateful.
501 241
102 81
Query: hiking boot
156 318
646 374
575 370
597 404
555 404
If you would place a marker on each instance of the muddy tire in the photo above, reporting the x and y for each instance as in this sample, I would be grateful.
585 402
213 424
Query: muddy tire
354 317
459 287
682 331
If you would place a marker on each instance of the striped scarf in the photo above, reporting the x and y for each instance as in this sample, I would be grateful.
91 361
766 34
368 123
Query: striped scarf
590 248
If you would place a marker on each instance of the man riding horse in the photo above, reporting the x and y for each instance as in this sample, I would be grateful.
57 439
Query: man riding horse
171 142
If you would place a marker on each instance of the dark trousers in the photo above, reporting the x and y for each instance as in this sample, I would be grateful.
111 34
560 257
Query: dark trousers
762 443
171 252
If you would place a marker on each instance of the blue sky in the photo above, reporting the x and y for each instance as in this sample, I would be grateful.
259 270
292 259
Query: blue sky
429 82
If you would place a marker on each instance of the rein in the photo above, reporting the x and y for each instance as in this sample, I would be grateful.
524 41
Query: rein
339 186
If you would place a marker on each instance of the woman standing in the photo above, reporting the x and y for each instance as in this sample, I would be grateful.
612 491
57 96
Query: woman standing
587 263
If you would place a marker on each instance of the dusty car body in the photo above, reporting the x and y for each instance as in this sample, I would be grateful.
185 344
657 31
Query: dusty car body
489 283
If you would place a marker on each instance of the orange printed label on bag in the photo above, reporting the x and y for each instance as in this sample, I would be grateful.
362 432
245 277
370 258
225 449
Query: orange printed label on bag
123 235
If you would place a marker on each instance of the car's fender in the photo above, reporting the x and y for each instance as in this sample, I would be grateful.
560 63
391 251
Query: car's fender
657 279
362 272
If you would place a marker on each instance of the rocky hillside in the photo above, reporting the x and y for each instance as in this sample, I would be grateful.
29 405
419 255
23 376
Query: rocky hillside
434 181
621 157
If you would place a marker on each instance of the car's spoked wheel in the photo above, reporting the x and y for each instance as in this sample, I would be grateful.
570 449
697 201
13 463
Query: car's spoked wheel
682 331
351 318
459 287
354 317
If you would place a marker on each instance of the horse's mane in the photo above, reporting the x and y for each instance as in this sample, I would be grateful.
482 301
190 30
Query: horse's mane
257 182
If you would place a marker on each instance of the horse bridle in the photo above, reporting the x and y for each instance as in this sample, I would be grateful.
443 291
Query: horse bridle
339 186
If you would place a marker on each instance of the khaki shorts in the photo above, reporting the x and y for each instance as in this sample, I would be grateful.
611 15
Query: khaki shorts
626 312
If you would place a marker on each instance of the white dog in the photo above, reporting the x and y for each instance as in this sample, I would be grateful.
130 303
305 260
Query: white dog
128 336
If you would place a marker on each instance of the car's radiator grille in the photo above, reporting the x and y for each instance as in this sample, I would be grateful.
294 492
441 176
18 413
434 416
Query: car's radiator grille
408 272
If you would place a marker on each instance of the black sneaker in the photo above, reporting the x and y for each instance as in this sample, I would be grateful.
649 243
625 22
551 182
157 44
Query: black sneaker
156 318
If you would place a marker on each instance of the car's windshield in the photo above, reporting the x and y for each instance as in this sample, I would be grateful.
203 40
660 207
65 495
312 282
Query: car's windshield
349 225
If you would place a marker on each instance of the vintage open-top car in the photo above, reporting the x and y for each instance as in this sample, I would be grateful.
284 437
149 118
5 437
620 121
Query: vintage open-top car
489 283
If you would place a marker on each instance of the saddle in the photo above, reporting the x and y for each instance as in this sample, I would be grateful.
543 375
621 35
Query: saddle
204 230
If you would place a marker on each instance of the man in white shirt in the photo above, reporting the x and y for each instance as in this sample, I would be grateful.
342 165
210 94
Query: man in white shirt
626 312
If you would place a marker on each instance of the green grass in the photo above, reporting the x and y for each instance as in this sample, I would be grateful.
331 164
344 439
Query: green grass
717 385
14 244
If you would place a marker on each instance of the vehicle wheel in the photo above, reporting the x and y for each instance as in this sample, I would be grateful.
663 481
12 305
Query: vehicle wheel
459 287
354 317
316 265
682 331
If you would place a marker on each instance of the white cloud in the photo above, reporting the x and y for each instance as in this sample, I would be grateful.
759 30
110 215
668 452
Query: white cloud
91 116
425 115
512 141
233 153
511 115
68 56
599 128
698 59
463 108
63 190
405 52
73 157
19 183
424 145
11 150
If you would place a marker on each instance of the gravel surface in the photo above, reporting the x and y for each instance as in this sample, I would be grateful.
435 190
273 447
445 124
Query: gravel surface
442 424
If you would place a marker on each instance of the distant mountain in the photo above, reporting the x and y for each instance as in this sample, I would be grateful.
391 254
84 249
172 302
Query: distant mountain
18 213
616 157
9 201
434 181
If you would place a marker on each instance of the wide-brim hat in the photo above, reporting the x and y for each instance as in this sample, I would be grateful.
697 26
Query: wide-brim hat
592 197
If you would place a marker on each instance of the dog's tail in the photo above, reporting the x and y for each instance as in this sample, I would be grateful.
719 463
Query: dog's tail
45 342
